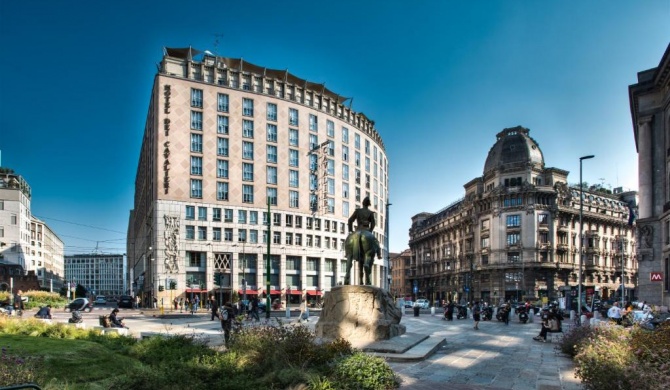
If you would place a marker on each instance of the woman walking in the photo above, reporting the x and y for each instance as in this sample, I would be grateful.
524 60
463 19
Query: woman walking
476 313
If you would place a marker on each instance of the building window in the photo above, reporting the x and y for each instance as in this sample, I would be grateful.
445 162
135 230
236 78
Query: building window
196 98
247 150
330 128
202 213
247 107
293 179
202 232
222 169
216 234
222 147
222 191
272 154
331 186
271 175
271 132
357 159
512 202
247 171
293 137
196 120
253 236
357 141
190 232
196 165
345 153
485 242
292 117
247 193
345 209
222 102
276 237
485 224
272 112
228 234
313 141
313 162
331 148
313 123
222 124
293 158
272 196
542 219
253 217
330 167
345 190
345 172
514 220
293 199
190 212
216 214
196 188
513 182
330 204
513 257
247 128
289 239
241 216
345 135
513 238
228 215
485 260
313 202
196 143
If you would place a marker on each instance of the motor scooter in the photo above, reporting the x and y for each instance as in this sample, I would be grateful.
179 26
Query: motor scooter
523 314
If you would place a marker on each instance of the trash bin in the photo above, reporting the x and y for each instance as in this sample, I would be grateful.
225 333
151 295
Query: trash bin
416 311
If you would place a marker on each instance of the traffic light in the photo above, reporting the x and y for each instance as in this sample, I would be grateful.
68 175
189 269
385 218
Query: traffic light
173 284
217 278
161 288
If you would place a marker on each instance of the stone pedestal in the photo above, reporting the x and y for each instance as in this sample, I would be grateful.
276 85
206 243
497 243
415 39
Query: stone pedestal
359 314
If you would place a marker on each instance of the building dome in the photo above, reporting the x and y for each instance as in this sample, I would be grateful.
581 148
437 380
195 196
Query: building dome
514 148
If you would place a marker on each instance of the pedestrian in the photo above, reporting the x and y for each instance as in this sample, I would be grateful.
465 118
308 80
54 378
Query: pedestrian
18 302
155 303
476 312
505 314
614 313
196 303
181 304
175 302
213 306
227 321
450 311
254 308
187 305
551 322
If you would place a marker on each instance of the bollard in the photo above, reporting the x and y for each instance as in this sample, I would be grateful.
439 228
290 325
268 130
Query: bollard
288 313
583 320
572 315
432 311
531 315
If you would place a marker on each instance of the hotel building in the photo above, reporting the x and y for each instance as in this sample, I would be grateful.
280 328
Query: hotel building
232 149
515 234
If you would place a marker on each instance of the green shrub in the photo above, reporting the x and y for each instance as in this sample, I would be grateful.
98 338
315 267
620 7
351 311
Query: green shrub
603 362
574 339
363 372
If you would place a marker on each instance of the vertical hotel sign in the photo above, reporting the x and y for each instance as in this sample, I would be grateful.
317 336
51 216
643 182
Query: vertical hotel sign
167 92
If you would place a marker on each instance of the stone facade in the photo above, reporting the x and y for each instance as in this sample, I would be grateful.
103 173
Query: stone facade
515 234
650 111
359 314
222 137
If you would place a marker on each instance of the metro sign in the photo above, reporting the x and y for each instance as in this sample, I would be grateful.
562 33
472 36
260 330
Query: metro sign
656 276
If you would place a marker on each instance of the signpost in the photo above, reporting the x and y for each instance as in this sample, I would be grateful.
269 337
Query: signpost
657 277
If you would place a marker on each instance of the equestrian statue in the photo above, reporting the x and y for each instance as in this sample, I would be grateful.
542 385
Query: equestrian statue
361 245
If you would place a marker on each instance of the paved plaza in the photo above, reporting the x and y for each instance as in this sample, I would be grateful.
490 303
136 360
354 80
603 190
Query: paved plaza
494 357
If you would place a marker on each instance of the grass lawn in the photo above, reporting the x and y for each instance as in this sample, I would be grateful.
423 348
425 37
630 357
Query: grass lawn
80 364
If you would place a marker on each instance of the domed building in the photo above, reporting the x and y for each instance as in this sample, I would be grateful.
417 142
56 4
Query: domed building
514 235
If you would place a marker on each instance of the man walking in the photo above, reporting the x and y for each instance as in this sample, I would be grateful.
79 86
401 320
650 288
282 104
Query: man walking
254 308
614 313
215 309
476 312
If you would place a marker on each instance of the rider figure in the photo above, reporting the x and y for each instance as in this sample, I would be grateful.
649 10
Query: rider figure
365 224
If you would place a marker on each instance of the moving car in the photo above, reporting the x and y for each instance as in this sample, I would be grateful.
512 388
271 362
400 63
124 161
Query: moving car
125 301
100 300
81 304
423 303
409 304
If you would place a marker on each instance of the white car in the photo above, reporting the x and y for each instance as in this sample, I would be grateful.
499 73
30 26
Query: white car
422 303
100 300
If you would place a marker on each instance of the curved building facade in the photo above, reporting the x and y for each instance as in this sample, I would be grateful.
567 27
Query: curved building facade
514 235
224 138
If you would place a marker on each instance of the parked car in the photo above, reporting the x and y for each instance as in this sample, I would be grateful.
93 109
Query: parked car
423 303
100 300
81 304
125 301
409 304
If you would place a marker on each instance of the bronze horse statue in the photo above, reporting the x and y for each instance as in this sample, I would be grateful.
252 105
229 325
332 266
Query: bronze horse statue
361 245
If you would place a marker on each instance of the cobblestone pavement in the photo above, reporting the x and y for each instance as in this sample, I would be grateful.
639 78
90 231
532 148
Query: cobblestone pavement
494 357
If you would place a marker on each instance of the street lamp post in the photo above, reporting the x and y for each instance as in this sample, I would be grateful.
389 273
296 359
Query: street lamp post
581 238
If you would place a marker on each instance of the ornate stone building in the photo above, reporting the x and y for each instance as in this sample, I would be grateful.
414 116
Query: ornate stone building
650 110
514 235
223 137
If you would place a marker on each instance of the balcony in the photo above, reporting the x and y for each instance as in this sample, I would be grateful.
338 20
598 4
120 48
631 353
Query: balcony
562 247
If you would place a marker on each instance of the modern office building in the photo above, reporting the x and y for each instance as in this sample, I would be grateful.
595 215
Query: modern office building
515 234
650 111
25 240
225 137
100 274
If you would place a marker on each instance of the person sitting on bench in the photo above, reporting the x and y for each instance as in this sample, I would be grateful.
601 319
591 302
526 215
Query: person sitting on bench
551 323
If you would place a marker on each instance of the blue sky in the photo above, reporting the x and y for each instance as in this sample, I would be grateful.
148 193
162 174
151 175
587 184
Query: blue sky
440 79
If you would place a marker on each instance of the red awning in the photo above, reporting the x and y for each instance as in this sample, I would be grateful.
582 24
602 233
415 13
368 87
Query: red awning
275 292
294 292
249 292
314 292
195 290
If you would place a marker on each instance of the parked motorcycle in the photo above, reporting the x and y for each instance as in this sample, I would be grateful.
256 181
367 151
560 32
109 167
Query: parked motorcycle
462 312
522 313
487 313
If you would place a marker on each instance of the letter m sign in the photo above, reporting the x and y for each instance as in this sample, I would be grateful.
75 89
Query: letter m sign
656 276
